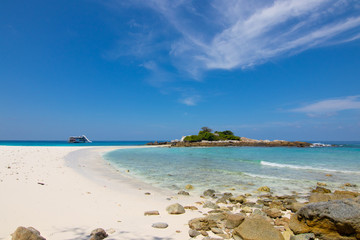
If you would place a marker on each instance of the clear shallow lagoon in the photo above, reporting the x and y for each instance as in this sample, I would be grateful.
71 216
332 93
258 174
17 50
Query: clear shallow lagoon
66 144
283 169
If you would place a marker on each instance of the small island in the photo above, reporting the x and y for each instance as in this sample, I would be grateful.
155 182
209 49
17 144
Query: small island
207 138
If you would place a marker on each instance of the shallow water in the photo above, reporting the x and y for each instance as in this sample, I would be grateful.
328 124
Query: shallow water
283 169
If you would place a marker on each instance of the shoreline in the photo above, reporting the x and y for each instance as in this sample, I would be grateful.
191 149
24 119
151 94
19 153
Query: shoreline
45 192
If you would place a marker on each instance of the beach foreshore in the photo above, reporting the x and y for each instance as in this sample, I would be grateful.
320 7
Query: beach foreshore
66 192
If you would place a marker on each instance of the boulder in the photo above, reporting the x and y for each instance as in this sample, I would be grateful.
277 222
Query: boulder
234 220
238 199
98 234
295 206
321 190
273 212
202 224
337 195
184 193
193 233
23 233
209 193
264 189
175 209
336 219
211 205
304 236
257 228
160 225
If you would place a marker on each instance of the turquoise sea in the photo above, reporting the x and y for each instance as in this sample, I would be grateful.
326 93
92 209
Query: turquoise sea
244 169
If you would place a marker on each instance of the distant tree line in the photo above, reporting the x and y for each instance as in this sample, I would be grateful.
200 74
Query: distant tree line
206 134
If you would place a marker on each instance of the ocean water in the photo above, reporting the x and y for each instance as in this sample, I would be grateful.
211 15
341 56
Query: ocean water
242 169
66 144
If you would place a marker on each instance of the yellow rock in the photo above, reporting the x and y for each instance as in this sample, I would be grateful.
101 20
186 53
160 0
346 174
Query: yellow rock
189 187
264 189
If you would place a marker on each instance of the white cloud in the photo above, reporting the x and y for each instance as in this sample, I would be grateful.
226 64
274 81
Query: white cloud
190 100
330 106
239 34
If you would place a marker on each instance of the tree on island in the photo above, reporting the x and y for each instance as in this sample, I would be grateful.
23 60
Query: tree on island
206 134
206 129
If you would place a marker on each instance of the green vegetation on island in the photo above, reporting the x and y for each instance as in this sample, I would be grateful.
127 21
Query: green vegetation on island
206 134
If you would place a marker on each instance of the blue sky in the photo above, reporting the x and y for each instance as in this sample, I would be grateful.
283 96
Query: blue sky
158 69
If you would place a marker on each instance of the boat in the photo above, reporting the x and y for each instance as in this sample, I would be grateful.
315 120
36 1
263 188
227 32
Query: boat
79 139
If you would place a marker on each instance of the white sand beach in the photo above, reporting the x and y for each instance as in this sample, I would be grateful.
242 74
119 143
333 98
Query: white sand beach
66 192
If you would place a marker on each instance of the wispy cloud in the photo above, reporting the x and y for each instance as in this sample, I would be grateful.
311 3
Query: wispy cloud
239 33
190 100
330 106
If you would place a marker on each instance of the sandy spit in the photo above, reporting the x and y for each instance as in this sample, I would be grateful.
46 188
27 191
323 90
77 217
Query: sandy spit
66 192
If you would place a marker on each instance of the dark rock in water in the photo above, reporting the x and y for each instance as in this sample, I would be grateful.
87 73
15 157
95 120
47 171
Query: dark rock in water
98 234
257 228
211 205
209 193
23 233
193 233
304 236
234 220
332 220
175 209
160 225
321 190
183 193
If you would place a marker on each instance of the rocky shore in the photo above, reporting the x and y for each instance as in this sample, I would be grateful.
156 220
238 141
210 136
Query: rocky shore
326 215
244 142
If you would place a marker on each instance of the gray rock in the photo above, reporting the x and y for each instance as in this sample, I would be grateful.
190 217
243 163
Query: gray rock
160 225
209 193
98 234
337 219
211 205
175 209
234 220
23 233
193 233
305 236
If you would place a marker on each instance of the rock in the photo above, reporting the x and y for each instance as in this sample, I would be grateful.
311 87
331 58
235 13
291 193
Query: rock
183 193
321 184
204 233
257 228
277 204
202 224
337 195
321 190
217 217
273 212
264 189
191 208
98 234
349 185
234 220
335 219
238 199
246 209
258 212
282 222
175 209
189 187
295 206
287 234
151 213
211 205
209 193
23 233
305 236
147 193
160 225
193 233
217 230
222 200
